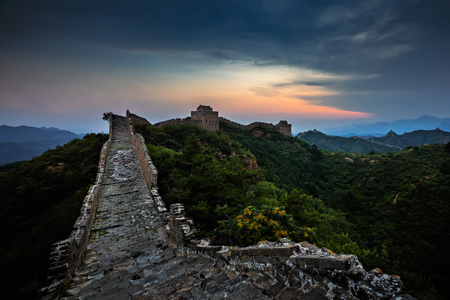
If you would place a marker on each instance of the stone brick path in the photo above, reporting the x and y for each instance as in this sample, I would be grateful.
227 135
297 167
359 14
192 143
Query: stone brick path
128 255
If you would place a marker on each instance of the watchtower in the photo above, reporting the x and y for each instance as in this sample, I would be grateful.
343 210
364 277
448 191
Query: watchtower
206 118
284 127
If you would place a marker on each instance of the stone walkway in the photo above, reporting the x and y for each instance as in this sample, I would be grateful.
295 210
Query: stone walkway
128 256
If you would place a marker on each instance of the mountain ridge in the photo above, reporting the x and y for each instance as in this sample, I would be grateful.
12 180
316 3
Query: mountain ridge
384 144
25 142
424 122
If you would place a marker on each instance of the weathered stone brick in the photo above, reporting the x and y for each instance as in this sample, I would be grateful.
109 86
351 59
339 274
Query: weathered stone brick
333 263
307 261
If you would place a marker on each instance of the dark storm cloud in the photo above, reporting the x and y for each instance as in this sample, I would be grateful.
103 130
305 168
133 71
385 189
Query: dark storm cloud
405 43
329 35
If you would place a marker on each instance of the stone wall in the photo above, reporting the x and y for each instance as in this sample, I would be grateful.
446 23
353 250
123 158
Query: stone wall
176 122
66 255
282 127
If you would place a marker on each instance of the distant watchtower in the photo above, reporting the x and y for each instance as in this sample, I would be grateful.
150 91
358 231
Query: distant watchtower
284 127
206 118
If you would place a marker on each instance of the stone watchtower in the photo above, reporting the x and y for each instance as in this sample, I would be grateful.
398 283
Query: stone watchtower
206 118
284 127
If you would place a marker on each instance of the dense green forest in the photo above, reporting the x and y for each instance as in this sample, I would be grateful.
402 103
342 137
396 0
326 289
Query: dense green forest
40 201
389 209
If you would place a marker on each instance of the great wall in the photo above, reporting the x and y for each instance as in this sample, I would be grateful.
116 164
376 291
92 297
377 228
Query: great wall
127 245
206 118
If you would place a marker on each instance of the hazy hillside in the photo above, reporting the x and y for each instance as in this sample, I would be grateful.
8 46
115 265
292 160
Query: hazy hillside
25 142
27 133
350 145
400 126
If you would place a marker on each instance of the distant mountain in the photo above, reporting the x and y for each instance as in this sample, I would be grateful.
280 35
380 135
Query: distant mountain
27 134
401 126
350 145
25 142
389 142
415 138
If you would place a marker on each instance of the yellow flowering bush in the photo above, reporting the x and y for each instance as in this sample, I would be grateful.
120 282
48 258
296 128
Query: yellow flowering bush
253 225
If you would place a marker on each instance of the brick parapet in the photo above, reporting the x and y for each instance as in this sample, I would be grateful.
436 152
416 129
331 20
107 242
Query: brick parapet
66 255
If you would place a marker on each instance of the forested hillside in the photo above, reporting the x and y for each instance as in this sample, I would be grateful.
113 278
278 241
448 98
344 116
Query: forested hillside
389 209
40 200
398 202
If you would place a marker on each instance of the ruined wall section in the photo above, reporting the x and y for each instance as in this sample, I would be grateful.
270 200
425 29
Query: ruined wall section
314 273
136 120
66 255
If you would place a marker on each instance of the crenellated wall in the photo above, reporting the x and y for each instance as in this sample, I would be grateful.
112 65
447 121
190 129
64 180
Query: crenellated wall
66 255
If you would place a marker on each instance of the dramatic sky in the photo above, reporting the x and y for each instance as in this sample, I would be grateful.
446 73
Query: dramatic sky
315 63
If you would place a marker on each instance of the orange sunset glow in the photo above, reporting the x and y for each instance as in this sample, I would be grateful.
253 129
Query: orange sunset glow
244 88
